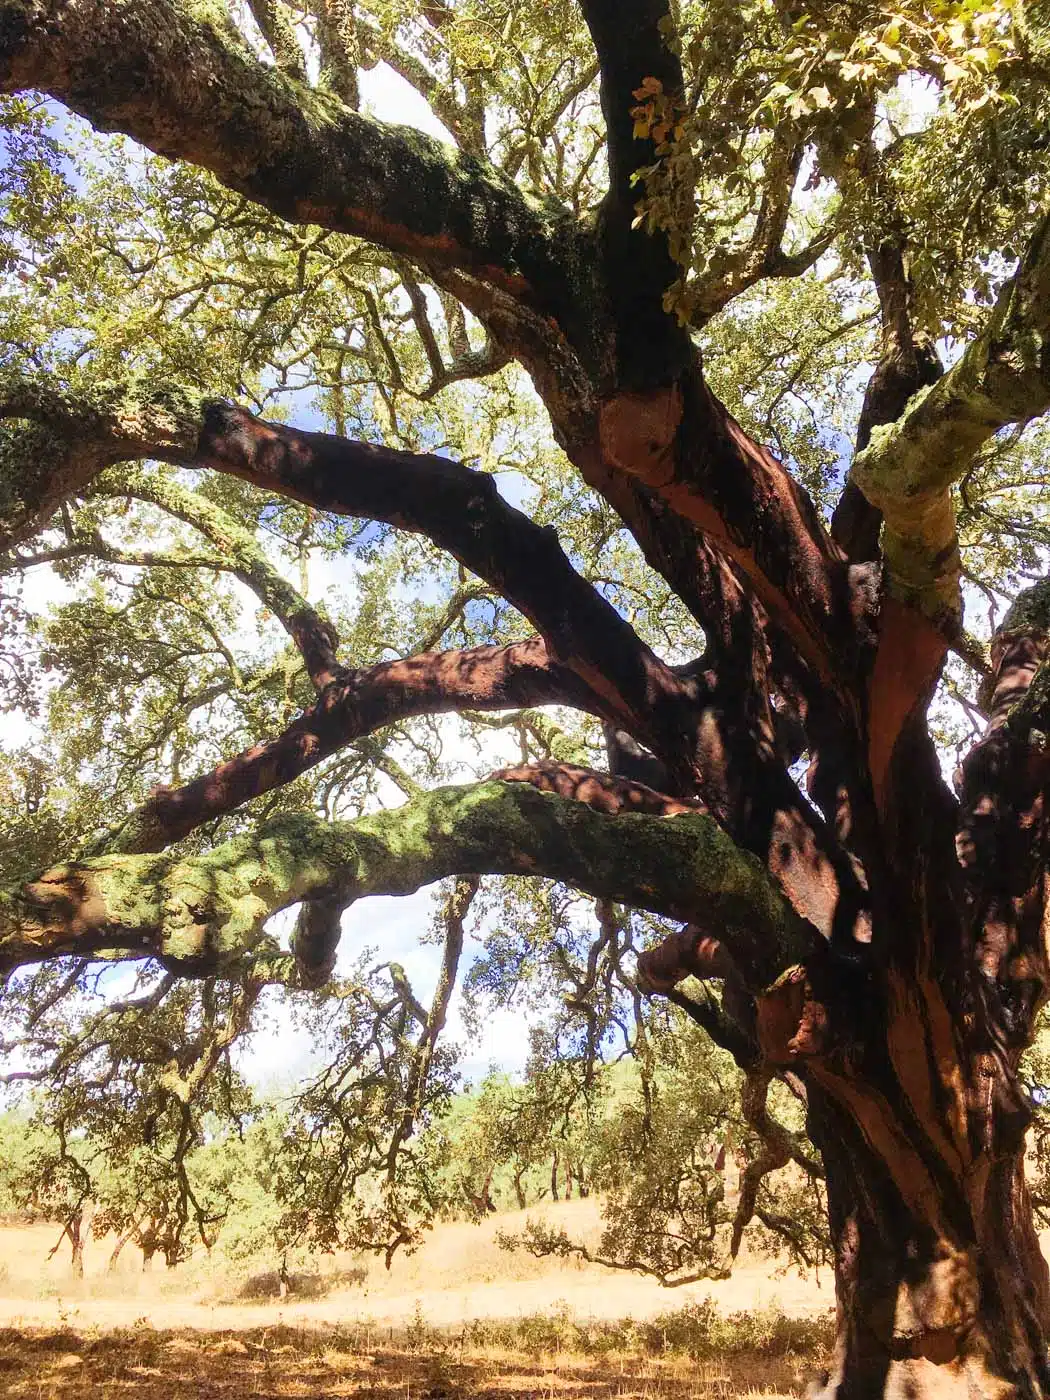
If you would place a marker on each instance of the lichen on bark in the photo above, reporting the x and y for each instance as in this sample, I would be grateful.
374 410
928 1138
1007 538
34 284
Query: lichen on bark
207 912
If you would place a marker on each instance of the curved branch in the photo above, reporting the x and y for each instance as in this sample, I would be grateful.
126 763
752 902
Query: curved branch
908 468
72 434
459 509
462 511
484 678
201 914
303 154
763 254
458 118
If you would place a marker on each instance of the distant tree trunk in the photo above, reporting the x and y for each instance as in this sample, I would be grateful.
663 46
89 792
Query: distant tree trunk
75 1232
554 1178
519 1189
488 1205
148 1243
481 1201
118 1248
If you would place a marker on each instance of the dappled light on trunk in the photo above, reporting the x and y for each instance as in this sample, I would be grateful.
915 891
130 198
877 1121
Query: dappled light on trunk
625 507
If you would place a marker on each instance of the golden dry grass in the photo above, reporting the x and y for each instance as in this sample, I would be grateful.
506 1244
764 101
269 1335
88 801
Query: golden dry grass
458 1275
323 1364
459 1320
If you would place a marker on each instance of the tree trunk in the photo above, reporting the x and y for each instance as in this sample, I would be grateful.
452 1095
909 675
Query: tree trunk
941 1287
76 1241
554 1178
118 1248
519 1190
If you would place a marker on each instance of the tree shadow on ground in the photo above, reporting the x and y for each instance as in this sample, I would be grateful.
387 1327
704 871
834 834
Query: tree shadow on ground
332 1363
265 1287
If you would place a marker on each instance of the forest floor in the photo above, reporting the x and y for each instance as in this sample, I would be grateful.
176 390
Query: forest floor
460 1319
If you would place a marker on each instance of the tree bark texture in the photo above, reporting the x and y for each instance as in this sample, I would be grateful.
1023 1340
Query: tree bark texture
880 939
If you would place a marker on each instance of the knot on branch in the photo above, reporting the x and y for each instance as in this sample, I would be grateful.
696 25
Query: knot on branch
688 953
791 1021
315 940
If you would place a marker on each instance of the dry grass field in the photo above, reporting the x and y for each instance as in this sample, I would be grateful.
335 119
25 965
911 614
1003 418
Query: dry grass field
459 1320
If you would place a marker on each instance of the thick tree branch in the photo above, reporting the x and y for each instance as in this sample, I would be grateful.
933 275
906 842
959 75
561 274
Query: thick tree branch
683 444
630 47
788 838
459 509
67 436
203 914
187 86
908 468
907 363
483 678
637 267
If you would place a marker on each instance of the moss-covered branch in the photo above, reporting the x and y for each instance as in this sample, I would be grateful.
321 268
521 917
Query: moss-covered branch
177 76
203 913
909 466
54 439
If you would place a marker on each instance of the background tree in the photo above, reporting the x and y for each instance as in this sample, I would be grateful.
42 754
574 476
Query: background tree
702 231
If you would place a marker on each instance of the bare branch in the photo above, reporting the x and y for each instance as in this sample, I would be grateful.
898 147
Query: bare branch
435 683
459 509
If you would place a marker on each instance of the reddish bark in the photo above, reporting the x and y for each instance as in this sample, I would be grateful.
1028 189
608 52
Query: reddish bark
905 1029
478 678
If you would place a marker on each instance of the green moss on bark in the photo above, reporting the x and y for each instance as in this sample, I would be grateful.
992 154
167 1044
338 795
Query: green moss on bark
206 912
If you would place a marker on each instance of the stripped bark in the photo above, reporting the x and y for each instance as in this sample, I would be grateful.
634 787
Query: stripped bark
895 980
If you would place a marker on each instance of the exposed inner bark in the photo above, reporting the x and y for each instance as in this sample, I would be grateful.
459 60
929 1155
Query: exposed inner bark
879 940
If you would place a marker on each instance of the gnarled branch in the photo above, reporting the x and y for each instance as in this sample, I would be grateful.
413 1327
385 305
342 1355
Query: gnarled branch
190 88
484 678
201 914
